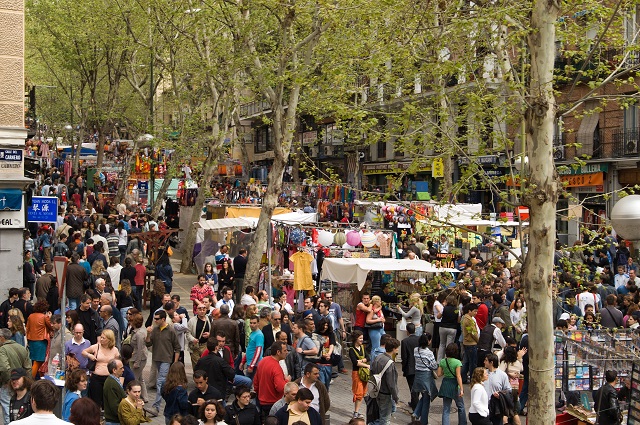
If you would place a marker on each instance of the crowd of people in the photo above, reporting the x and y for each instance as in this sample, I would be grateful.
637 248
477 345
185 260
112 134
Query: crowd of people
256 361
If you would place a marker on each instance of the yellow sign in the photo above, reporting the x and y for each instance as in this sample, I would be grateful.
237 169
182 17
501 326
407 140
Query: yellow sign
437 168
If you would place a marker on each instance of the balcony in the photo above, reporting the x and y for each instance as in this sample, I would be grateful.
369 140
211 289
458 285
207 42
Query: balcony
608 143
254 108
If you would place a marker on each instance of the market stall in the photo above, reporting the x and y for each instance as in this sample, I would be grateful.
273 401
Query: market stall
355 270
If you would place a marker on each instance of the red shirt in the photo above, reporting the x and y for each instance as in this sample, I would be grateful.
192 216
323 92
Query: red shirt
141 272
483 315
270 374
361 317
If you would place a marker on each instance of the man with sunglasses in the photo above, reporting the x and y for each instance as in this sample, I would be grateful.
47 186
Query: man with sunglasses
166 350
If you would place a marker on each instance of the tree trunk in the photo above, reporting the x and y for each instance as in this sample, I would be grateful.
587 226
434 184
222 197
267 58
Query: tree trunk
190 239
76 158
541 195
157 202
283 126
269 203
126 172
100 149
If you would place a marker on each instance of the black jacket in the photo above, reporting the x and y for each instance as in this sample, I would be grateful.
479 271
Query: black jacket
267 331
606 404
218 371
91 322
237 416
406 352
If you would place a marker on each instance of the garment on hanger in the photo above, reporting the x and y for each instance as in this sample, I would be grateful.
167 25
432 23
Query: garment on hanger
384 242
302 279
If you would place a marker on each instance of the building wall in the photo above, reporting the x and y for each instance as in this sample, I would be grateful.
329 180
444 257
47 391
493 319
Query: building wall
12 131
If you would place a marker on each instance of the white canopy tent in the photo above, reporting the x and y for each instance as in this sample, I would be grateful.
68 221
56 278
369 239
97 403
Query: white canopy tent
355 270
223 224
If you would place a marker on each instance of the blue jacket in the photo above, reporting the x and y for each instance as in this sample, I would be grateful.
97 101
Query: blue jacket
69 398
177 401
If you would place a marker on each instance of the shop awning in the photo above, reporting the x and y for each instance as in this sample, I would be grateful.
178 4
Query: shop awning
224 224
10 199
355 270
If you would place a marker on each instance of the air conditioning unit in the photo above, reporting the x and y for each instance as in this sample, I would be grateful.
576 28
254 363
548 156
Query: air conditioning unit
631 146
558 153
314 152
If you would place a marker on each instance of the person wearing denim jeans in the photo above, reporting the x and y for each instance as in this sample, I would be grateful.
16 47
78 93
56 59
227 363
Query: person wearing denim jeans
470 335
166 350
5 398
451 387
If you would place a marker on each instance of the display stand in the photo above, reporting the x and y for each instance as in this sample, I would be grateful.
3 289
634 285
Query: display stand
582 357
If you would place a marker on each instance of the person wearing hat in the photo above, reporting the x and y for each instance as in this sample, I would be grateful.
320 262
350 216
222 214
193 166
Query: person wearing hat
20 404
490 336
12 356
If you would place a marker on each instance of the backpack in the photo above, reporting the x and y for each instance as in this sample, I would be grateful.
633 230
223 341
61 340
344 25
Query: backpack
373 385
317 341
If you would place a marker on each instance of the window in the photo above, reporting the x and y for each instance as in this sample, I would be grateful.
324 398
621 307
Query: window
382 149
631 117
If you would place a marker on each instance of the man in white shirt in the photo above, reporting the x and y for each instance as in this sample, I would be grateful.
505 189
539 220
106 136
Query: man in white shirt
621 278
227 299
44 396
589 296
498 381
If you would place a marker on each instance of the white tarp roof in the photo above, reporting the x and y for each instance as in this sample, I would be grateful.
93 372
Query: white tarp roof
223 224
355 270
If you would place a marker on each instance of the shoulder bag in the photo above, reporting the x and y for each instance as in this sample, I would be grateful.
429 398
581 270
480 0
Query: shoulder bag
91 364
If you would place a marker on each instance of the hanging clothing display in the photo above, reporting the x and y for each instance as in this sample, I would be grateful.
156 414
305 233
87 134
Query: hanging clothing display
302 279
384 242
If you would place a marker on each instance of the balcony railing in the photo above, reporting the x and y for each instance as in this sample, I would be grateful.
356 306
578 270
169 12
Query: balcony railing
254 108
607 143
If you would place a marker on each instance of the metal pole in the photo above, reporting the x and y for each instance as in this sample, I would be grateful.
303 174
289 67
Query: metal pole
269 239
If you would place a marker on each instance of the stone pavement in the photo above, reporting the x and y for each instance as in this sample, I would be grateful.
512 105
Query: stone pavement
340 390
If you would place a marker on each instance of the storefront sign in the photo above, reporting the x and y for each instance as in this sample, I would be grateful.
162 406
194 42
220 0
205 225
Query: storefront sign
446 260
590 189
309 138
44 209
13 155
437 169
392 168
584 169
12 220
485 159
581 180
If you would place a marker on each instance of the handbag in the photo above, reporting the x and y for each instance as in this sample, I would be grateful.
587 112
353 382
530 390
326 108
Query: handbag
403 324
91 364
363 372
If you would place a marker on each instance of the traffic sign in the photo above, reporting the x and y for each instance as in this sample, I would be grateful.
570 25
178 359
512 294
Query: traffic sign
60 271
44 209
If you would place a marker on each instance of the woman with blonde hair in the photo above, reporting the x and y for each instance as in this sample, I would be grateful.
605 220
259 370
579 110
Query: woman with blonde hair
99 271
414 315
375 322
38 331
101 353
